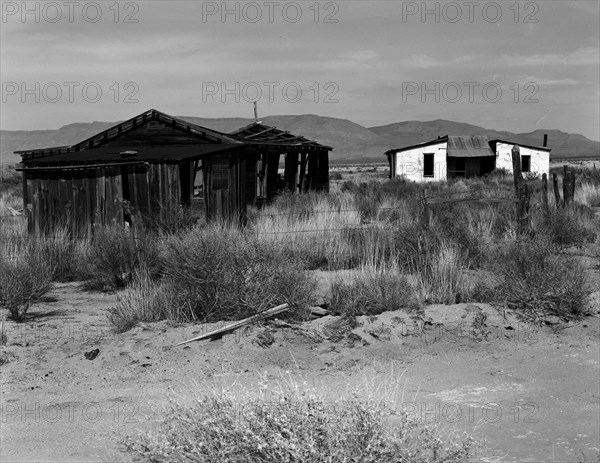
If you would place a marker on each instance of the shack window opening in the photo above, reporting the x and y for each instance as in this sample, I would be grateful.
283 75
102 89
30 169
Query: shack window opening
198 180
526 163
428 165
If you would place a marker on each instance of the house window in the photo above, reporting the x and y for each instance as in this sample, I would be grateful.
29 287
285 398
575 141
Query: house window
428 165
526 163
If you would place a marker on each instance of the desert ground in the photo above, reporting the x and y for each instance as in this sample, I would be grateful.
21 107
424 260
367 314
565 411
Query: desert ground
529 393
440 345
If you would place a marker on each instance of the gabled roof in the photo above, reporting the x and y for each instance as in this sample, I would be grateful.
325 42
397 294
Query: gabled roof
458 146
540 148
261 134
126 126
475 146
418 145
127 154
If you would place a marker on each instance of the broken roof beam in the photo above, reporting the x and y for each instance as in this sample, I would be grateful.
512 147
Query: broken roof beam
256 134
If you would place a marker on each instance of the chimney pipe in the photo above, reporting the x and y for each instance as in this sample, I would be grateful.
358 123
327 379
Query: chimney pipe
545 140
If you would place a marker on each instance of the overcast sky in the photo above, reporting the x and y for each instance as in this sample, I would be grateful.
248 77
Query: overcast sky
505 65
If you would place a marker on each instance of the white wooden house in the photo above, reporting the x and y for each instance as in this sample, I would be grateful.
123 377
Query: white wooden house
455 156
535 160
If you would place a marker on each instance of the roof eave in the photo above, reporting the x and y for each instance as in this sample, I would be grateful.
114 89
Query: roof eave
418 145
541 148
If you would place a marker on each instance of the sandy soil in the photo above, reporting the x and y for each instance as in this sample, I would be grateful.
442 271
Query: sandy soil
531 394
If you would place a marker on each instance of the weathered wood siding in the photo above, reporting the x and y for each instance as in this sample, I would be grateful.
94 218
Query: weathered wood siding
225 187
75 199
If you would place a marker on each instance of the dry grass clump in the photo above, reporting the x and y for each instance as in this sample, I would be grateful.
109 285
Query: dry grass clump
222 273
570 226
10 180
440 275
212 274
3 337
23 280
287 423
308 228
588 193
66 256
172 220
115 254
371 292
144 300
536 281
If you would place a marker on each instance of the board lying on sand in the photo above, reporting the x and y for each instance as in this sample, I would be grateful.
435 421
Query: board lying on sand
239 324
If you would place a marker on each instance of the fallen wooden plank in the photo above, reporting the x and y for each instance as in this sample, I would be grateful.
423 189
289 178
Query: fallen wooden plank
319 311
240 323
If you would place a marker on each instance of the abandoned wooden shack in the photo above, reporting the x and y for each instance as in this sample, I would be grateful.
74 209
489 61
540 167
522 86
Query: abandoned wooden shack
306 162
150 164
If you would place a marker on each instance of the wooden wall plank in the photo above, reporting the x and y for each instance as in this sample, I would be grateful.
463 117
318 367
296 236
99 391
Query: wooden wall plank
153 187
302 174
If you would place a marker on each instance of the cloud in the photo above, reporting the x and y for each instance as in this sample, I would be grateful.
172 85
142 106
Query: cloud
588 56
547 82
421 61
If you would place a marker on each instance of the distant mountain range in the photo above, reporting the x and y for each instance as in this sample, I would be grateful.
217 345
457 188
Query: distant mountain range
352 142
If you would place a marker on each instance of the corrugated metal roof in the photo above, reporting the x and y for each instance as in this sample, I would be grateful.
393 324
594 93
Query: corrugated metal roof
258 133
159 153
468 146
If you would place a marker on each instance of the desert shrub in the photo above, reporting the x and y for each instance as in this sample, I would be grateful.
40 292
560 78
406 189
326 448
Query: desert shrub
116 253
10 180
371 293
335 176
297 207
23 281
367 206
457 232
566 227
172 219
471 228
594 200
220 273
480 287
296 428
3 337
499 175
536 281
144 300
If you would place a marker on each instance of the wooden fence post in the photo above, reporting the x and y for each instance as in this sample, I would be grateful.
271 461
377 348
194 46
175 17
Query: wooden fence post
556 190
568 186
522 192
572 185
545 193
424 209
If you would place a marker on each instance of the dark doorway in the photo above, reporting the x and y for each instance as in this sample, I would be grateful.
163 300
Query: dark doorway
488 164
428 165
186 179
526 163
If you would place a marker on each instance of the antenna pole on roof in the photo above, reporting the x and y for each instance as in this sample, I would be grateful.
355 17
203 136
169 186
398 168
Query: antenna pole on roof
255 113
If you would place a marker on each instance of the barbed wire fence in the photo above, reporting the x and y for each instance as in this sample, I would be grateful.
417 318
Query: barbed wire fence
386 237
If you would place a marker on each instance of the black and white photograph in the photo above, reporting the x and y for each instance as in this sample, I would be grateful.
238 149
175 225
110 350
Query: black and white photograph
303 231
